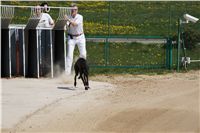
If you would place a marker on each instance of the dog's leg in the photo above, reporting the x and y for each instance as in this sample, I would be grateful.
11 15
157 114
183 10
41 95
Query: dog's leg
75 80
86 78
82 77
85 81
76 74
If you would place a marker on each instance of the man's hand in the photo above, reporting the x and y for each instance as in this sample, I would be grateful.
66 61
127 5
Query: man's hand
66 17
70 21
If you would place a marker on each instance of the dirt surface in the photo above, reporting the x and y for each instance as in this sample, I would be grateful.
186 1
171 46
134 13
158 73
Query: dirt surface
115 103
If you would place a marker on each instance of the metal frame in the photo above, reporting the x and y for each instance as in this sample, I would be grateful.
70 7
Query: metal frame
194 60
136 66
8 12
39 49
9 44
51 49
38 69
35 6
167 64
126 37
23 34
24 57
184 62
178 48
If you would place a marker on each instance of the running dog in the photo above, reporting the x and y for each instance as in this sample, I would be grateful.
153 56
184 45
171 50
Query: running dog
82 69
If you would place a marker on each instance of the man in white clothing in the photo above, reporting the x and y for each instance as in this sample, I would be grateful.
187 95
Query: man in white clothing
45 19
75 37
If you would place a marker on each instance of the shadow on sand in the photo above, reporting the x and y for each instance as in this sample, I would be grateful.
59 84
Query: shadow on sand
66 88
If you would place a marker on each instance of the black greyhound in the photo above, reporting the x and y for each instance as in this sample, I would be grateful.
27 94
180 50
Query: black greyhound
82 69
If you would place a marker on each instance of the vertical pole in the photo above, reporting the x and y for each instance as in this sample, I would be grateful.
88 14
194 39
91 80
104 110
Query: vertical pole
17 51
106 52
167 53
38 71
170 53
24 52
40 47
183 44
107 42
169 40
51 50
109 15
178 47
169 30
9 43
65 51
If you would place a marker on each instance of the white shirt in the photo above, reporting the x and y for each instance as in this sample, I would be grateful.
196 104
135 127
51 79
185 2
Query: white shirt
75 30
45 20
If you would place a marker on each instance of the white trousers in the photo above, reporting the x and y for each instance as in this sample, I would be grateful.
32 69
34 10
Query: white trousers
81 43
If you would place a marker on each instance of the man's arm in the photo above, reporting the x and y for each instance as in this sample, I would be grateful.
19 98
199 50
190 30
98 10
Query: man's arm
71 22
51 21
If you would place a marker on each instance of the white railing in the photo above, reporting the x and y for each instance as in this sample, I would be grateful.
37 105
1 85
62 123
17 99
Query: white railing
8 12
51 7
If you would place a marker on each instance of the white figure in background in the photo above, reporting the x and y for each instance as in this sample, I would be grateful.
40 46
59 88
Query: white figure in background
75 37
45 22
45 19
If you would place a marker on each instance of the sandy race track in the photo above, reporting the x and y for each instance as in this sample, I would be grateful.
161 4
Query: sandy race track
115 103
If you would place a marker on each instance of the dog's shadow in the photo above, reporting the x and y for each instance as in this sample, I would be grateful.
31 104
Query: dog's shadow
67 88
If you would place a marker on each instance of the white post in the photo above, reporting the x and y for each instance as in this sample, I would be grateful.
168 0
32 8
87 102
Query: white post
65 51
51 48
52 7
9 45
194 60
38 71
40 45
24 65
